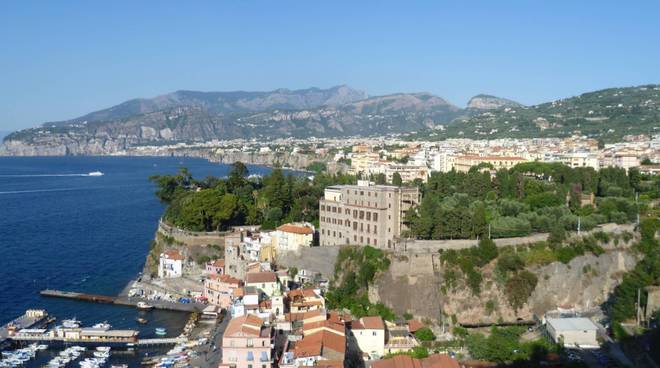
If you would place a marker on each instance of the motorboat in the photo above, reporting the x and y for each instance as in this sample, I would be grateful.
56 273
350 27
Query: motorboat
95 173
102 326
71 323
103 348
144 306
101 354
141 320
161 331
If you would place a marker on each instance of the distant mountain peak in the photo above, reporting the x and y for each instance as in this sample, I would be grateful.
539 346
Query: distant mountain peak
490 102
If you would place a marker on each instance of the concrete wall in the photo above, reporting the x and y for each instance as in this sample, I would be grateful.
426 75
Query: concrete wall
192 238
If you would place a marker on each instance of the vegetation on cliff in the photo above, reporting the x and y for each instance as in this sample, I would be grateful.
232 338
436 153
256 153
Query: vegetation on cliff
355 270
213 204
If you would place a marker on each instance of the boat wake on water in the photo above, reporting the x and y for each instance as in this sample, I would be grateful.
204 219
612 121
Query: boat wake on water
93 173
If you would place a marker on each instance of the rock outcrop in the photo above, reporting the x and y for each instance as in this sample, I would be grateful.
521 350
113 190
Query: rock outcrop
488 102
415 284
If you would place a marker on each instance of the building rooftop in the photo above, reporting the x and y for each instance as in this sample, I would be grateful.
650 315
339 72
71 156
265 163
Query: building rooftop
260 277
575 323
296 229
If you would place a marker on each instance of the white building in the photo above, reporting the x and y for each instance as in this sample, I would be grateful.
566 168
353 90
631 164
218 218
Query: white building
171 264
291 237
578 331
369 334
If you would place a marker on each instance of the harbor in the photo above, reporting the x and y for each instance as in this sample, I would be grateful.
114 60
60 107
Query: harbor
126 300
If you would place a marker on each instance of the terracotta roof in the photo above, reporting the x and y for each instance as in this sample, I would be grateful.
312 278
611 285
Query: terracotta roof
172 254
260 277
296 229
325 325
406 361
249 325
369 323
414 325
218 263
306 293
315 344
226 279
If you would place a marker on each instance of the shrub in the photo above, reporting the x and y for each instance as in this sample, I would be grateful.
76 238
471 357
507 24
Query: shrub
425 334
519 288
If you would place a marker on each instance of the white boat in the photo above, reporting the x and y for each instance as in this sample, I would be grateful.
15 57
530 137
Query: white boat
103 348
101 354
95 173
102 326
42 347
71 323
144 305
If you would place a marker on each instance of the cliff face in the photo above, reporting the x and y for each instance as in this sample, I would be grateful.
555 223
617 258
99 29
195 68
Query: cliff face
415 283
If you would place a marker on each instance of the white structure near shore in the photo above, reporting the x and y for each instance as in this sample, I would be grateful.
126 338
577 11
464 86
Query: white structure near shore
170 264
577 331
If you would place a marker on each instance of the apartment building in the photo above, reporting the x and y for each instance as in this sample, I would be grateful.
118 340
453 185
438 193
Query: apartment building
246 343
365 214
464 163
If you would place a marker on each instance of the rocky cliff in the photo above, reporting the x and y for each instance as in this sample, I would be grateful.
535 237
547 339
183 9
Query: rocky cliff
414 283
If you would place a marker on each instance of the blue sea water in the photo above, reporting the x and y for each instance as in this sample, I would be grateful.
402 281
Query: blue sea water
62 229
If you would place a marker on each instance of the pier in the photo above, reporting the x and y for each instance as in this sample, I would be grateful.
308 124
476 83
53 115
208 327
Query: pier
128 343
28 320
125 301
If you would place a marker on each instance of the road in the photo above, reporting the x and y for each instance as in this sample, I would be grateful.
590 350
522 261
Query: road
208 356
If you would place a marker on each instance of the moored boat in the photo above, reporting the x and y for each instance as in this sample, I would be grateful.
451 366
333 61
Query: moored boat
144 306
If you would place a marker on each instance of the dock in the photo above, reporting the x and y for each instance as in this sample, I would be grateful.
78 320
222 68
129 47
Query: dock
124 300
30 319
55 341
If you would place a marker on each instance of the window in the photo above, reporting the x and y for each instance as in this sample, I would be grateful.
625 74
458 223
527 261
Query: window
355 213
368 228
375 229
361 215
250 343
374 333
375 216
322 207
368 241
368 216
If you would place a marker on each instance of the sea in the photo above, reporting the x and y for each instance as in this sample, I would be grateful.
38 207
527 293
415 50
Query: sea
61 228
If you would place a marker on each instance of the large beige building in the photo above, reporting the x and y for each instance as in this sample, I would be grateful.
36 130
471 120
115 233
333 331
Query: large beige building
365 214
464 163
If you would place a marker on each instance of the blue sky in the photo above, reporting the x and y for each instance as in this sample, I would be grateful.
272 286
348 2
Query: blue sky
61 59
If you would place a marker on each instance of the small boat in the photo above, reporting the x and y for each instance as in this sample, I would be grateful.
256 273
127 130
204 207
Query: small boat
144 306
103 348
102 326
95 173
71 323
42 347
101 354
141 320
161 331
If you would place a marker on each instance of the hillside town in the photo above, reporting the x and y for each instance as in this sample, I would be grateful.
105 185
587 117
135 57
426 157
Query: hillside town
411 160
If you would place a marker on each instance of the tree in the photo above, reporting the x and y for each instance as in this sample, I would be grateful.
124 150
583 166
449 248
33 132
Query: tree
237 175
424 334
486 251
396 179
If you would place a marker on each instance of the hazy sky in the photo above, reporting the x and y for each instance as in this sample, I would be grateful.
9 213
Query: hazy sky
61 59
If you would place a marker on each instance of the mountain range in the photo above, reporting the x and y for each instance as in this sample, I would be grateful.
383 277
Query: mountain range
192 116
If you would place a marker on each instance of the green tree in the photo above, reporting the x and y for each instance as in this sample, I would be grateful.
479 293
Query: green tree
424 334
396 179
